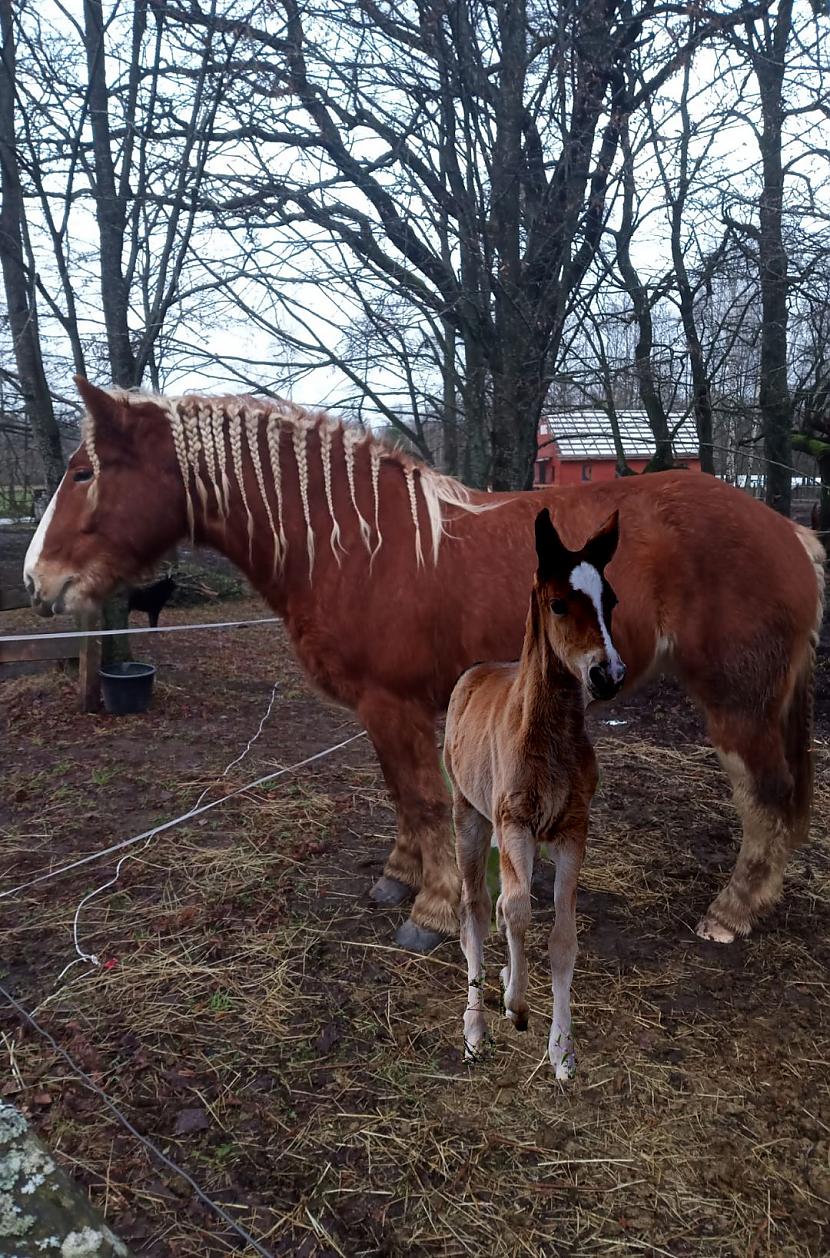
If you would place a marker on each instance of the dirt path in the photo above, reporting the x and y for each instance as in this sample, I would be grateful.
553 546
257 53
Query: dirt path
253 1019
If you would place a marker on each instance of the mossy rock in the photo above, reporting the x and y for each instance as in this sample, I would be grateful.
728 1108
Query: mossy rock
41 1210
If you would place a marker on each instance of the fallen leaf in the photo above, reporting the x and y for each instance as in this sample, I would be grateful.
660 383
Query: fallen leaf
327 1038
191 1120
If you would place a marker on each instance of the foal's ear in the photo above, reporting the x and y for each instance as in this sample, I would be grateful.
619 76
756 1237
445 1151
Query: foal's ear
553 556
599 549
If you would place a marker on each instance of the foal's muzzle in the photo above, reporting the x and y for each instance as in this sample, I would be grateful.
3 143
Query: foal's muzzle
602 683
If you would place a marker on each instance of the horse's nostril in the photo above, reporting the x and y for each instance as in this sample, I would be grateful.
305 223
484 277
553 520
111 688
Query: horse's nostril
29 584
597 676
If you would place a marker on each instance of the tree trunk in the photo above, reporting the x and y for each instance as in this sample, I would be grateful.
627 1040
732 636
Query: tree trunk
18 279
449 417
773 393
477 445
641 302
518 398
41 1211
109 205
824 500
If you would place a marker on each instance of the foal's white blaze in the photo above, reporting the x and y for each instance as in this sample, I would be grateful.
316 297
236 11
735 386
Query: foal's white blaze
36 544
586 578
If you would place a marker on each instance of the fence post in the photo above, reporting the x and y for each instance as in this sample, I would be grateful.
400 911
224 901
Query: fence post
89 661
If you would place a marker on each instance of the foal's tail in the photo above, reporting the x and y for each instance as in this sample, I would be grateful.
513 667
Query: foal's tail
798 716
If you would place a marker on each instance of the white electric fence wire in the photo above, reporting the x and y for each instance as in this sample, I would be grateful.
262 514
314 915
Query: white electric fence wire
123 633
122 1118
168 825
90 957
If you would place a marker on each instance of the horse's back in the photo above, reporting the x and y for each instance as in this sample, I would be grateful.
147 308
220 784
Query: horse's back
708 579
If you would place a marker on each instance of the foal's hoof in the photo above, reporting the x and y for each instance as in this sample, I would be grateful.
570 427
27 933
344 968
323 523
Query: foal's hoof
389 892
417 938
710 928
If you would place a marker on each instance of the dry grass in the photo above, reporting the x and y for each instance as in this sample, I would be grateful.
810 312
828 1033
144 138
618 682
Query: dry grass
254 984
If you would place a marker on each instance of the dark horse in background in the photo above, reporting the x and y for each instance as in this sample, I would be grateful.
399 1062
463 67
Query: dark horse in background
393 579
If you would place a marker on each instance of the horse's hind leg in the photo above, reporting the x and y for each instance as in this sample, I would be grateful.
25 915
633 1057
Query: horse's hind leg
516 850
769 761
472 844
422 860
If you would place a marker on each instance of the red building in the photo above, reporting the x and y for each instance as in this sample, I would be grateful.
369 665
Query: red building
577 446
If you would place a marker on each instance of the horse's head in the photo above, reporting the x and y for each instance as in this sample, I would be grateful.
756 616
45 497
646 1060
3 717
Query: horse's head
575 604
119 507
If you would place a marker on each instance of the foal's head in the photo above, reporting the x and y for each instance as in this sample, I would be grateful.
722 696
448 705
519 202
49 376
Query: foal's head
575 604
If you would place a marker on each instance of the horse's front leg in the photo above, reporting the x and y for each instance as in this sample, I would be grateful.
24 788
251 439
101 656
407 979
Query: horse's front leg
516 850
423 858
568 851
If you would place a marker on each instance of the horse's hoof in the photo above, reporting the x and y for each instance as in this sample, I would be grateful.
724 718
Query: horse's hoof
710 928
389 892
565 1070
417 938
519 1018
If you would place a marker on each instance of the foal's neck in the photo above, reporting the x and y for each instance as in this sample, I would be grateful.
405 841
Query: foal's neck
549 692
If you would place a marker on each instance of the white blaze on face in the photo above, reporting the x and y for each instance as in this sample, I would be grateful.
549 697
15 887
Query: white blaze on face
587 580
36 544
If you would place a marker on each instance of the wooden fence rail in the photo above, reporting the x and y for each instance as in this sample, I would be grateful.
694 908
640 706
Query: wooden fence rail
87 651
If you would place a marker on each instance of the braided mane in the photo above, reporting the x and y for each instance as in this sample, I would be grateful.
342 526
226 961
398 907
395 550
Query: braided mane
198 425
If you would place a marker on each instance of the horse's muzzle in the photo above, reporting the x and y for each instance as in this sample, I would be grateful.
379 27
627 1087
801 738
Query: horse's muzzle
44 604
602 684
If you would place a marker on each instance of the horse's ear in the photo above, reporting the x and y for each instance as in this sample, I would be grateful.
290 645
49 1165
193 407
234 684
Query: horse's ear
102 406
599 549
553 556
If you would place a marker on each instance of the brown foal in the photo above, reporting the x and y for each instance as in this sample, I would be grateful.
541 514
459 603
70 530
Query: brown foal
520 763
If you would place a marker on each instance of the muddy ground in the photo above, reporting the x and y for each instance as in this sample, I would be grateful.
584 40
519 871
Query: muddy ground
253 1019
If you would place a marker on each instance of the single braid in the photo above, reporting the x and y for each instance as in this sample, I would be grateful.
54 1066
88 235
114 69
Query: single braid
409 473
252 428
235 432
177 431
325 430
374 454
88 437
299 436
274 430
352 438
220 455
190 419
205 413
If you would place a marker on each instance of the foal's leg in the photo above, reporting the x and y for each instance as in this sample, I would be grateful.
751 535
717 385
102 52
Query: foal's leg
567 853
516 848
423 858
753 753
472 845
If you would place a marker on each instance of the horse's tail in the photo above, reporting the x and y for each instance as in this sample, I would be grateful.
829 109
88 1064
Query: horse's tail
798 715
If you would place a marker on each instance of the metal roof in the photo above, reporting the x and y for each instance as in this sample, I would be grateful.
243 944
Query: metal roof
584 434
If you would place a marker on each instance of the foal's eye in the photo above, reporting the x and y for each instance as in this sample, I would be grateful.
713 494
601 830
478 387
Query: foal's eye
83 473
558 606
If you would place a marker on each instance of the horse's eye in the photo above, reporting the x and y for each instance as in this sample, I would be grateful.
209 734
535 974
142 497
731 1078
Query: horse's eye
558 606
83 473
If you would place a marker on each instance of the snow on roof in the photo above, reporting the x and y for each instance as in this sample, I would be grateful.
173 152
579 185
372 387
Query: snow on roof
584 434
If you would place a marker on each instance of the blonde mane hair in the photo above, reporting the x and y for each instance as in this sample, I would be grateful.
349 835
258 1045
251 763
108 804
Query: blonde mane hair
198 425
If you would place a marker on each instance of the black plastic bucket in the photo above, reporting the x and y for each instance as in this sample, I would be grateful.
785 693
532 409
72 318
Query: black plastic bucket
127 688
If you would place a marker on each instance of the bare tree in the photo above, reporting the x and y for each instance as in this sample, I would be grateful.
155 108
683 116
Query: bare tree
18 268
463 154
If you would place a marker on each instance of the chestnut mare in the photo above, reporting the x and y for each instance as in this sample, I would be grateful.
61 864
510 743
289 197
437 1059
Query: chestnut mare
522 766
392 579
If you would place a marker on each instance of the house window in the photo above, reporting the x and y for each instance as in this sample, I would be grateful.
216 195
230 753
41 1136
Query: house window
586 471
